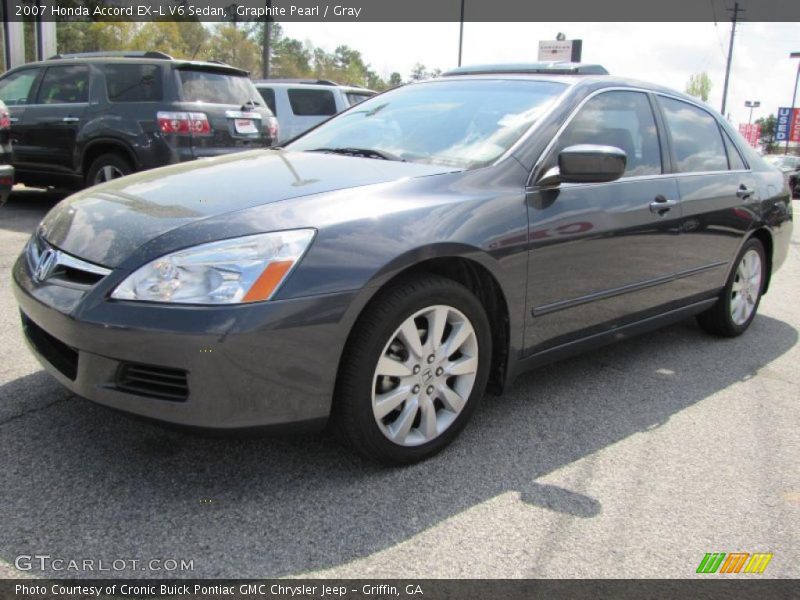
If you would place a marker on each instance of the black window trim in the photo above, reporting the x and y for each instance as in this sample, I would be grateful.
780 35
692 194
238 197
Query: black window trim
38 85
661 124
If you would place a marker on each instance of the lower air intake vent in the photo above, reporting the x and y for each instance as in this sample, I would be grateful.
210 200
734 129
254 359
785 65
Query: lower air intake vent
152 381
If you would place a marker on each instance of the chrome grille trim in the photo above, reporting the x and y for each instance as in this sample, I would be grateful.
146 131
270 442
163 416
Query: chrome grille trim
40 252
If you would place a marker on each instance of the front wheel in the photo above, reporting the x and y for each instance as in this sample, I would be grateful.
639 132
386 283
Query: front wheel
414 370
737 306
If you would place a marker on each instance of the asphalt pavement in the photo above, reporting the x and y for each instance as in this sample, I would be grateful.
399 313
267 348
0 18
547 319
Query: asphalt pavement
631 461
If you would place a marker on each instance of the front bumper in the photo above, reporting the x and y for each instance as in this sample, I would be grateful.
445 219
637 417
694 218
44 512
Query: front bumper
269 364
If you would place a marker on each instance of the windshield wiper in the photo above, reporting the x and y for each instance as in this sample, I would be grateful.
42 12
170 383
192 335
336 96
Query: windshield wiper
250 103
361 152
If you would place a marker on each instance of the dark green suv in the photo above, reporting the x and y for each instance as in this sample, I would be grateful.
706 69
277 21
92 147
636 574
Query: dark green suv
81 119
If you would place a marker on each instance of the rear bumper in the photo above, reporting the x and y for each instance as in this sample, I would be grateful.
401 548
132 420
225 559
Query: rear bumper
271 365
6 182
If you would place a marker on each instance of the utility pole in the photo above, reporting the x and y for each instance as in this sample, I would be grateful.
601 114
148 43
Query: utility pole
794 99
265 49
734 19
461 33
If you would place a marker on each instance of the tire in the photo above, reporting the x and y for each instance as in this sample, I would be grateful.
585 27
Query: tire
736 308
378 344
106 165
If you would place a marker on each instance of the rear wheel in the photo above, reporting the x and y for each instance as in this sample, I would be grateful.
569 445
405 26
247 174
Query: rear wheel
739 301
414 370
106 168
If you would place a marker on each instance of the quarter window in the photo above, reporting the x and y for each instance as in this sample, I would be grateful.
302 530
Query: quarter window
133 83
312 103
621 119
268 94
65 85
15 89
696 139
735 161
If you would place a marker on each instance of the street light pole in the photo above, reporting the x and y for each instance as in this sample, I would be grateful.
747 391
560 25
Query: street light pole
794 97
751 104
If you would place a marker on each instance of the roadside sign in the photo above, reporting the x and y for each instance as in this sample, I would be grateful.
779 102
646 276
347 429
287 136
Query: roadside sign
560 50
788 125
750 132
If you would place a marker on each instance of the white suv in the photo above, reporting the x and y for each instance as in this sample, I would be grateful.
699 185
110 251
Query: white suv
299 104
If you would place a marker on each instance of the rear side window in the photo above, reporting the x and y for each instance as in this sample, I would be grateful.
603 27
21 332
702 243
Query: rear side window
65 85
696 139
217 88
268 94
312 103
354 98
133 83
621 119
14 89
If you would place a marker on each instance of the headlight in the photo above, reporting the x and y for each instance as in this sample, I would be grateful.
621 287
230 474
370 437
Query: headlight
245 269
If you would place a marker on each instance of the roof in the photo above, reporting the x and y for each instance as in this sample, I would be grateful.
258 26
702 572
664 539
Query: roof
551 68
138 56
313 84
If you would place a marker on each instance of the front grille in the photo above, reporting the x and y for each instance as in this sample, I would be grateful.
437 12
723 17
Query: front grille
152 381
63 268
57 353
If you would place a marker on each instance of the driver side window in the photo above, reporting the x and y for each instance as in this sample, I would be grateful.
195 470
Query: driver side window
621 119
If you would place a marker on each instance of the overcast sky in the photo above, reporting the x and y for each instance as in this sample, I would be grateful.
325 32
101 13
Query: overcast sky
666 53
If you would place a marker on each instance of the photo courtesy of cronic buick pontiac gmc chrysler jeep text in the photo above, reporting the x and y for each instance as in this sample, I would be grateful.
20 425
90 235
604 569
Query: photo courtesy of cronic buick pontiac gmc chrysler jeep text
382 270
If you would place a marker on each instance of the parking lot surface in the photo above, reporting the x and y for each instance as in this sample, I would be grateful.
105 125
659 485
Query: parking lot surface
631 461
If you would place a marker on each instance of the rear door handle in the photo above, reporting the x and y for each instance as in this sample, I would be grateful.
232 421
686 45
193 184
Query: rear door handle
662 205
744 191
13 119
70 119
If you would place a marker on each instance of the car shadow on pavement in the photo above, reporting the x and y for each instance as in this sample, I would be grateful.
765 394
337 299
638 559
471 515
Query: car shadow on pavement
81 481
26 207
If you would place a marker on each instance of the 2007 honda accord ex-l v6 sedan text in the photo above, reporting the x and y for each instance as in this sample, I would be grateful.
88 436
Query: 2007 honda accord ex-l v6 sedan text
382 271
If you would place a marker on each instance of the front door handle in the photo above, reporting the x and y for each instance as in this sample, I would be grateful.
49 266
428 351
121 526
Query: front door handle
13 119
70 120
662 205
744 192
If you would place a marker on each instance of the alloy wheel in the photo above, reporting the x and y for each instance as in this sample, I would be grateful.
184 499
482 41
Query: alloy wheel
107 173
425 375
746 287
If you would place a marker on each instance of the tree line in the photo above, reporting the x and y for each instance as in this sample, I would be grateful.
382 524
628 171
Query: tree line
238 44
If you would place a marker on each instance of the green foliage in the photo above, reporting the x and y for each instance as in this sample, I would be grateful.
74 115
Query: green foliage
768 132
699 86
238 44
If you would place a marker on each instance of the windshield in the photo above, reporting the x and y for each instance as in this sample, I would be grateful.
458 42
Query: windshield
218 88
464 124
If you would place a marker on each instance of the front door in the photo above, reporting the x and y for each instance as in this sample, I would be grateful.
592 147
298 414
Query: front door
602 255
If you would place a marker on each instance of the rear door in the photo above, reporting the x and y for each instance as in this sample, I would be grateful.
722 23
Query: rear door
236 116
716 187
51 123
602 254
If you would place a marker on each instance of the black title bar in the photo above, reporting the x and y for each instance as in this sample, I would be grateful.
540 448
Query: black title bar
395 10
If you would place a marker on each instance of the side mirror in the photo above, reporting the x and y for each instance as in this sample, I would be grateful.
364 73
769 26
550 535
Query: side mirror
587 163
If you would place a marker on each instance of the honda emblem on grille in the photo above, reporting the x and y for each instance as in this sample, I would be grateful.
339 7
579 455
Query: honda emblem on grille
45 264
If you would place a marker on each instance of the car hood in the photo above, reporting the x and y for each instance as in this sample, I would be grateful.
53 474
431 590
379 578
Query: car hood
106 223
